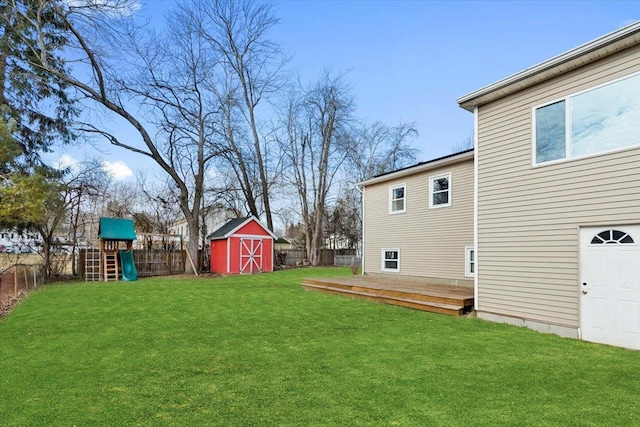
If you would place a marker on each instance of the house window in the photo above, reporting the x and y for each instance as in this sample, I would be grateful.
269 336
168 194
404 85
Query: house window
440 190
397 199
602 119
470 261
391 260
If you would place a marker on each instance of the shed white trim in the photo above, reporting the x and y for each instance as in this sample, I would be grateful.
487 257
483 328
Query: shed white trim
248 220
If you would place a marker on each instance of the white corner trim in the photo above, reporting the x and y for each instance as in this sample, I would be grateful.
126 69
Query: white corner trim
363 241
228 255
476 276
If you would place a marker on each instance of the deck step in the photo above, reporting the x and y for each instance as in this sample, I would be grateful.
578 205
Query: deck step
404 299
428 294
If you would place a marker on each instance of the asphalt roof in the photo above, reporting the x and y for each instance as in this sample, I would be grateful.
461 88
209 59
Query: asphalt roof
381 177
229 226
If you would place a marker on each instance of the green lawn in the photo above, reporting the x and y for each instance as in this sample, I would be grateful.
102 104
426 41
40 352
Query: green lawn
260 351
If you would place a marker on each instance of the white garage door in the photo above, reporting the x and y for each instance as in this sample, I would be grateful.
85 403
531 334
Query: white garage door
609 288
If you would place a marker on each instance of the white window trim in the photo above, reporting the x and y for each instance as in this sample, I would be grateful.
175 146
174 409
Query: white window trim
567 139
467 261
433 178
404 204
390 270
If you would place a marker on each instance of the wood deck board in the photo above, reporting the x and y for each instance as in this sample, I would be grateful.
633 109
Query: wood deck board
452 300
396 285
449 309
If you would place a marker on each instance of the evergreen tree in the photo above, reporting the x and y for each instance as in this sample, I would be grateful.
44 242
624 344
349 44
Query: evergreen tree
35 101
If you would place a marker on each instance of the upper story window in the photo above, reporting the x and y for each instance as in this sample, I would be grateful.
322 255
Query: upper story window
602 119
440 191
397 199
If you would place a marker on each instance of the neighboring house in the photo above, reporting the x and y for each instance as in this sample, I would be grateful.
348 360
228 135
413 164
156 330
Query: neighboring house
242 245
338 241
418 221
214 218
19 240
282 243
558 193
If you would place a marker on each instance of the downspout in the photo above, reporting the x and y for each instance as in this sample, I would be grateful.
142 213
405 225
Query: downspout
475 207
357 187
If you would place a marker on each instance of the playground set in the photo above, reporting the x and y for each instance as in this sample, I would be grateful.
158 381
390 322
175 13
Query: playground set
113 260
121 254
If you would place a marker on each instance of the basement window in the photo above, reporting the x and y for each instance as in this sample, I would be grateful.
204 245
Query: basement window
391 260
470 262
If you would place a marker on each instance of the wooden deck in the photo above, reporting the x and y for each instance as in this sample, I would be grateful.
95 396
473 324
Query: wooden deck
419 295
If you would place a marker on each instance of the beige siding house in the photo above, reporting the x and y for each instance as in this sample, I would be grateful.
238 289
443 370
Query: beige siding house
557 196
418 221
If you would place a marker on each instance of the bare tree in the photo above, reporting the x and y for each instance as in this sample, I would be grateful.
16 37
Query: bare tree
160 206
316 133
378 149
165 100
465 144
90 183
238 30
73 189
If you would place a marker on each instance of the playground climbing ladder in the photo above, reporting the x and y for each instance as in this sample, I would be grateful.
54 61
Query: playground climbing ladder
92 265
110 263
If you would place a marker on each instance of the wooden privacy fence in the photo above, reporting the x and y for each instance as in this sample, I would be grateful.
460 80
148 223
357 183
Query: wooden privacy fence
20 277
293 257
347 260
149 262
158 262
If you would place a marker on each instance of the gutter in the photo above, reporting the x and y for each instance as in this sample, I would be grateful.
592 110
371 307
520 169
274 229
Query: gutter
420 167
360 189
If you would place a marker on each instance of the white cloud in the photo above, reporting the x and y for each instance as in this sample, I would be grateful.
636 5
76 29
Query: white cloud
118 169
65 161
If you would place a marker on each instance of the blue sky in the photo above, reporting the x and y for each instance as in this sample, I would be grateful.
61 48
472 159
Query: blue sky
408 61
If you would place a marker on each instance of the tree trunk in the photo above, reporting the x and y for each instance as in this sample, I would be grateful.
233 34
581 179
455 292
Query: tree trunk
192 246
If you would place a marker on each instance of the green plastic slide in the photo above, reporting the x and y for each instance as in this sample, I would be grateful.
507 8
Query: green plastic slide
129 272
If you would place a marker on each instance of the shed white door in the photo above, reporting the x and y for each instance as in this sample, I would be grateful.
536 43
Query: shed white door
609 288
250 256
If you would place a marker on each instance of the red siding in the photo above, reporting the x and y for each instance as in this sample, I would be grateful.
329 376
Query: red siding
219 256
267 254
219 249
252 228
234 253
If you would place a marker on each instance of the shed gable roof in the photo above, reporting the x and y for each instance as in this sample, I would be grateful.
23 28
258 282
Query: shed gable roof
116 229
234 225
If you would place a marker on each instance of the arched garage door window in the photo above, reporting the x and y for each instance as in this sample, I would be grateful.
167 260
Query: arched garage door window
611 237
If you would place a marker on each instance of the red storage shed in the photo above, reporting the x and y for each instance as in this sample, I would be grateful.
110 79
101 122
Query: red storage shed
241 246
